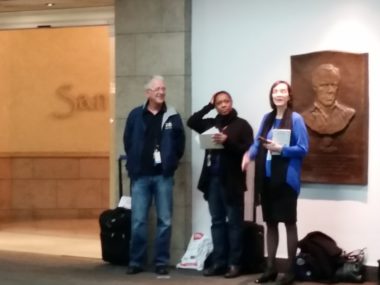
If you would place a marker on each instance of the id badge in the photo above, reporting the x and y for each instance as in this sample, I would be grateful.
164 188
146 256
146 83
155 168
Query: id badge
157 156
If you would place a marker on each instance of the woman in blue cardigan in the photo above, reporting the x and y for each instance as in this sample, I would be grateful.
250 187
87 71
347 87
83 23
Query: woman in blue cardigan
278 175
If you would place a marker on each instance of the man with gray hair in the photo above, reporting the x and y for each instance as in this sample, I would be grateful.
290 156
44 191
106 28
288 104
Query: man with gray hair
327 116
154 141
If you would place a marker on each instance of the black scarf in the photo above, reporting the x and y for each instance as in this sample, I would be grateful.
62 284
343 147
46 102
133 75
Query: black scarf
222 121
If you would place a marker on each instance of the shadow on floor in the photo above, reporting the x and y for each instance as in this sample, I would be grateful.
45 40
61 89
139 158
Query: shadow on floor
37 269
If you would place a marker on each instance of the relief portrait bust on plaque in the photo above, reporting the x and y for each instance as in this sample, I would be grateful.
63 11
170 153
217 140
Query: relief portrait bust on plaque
330 91
327 116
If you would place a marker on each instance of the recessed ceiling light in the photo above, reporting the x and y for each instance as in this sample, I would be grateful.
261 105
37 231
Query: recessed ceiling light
50 4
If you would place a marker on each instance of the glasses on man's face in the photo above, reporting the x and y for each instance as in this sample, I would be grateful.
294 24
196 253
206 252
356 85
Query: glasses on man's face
155 90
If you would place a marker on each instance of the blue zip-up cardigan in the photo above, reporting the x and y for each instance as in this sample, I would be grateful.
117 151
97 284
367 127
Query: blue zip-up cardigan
172 141
298 148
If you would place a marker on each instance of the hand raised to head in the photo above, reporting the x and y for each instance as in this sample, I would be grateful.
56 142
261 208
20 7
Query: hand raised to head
212 100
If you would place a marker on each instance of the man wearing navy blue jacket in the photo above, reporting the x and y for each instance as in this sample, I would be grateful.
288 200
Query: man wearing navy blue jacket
154 141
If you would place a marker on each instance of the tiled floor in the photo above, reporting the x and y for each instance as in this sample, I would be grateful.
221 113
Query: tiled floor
77 237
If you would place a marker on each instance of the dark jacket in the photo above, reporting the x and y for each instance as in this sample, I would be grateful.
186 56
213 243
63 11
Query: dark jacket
172 141
239 137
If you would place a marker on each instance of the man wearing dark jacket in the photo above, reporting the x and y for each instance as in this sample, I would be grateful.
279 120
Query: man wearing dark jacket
223 182
154 142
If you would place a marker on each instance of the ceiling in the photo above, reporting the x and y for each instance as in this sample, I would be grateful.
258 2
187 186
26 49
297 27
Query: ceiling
33 5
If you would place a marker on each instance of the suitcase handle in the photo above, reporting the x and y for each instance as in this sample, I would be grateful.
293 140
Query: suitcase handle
120 160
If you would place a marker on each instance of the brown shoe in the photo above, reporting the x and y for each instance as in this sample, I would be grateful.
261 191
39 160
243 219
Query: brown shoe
287 279
134 270
233 271
214 271
161 270
269 275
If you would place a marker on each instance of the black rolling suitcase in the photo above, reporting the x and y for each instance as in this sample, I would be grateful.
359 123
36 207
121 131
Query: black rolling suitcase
253 260
115 229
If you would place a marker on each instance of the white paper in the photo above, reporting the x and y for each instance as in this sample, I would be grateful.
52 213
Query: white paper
282 137
205 139
125 202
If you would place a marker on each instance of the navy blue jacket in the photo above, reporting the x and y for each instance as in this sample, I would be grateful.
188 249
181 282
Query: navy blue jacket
172 141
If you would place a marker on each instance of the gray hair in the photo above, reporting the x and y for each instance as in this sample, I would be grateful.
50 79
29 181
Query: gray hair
153 78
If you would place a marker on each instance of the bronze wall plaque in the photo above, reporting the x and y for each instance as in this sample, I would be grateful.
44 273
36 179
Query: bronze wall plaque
330 90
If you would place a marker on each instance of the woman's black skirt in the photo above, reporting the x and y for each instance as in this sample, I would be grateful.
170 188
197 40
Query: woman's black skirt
279 203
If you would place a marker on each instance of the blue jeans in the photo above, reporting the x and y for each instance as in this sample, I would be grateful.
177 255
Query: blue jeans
144 190
226 226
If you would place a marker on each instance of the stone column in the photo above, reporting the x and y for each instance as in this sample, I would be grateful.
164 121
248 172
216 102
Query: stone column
153 37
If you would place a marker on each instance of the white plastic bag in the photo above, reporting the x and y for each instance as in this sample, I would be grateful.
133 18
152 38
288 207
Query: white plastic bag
199 247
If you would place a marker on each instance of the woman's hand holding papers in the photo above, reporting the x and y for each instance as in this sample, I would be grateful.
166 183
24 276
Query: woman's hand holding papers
219 138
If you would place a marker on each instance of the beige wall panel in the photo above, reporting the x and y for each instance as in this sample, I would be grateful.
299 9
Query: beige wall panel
34 194
5 168
5 91
22 168
49 168
50 72
79 194
5 215
104 194
5 194
94 168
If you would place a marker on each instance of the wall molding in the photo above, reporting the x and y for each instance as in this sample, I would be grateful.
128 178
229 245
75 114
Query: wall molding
57 18
53 154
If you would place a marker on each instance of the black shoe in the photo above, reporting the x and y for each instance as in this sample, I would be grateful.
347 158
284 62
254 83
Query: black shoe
134 270
214 271
161 270
233 271
287 279
269 275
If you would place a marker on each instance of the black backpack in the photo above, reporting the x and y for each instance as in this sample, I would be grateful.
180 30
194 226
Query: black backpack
322 254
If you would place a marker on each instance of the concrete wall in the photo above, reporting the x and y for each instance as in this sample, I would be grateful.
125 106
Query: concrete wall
152 37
